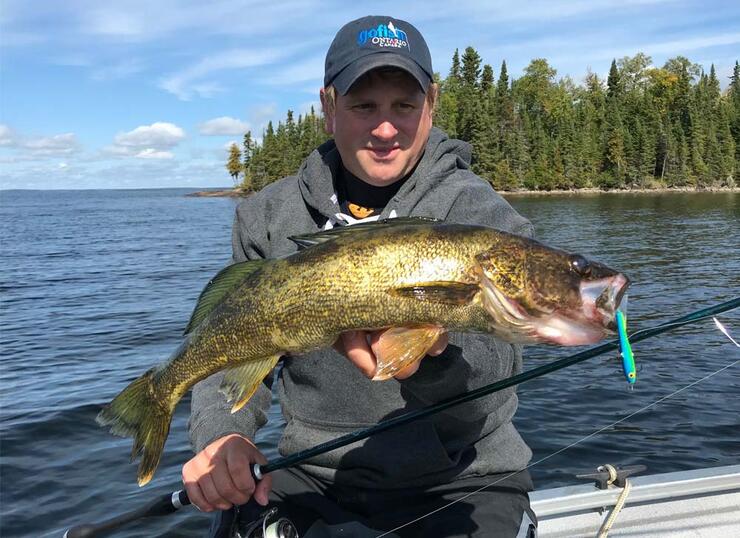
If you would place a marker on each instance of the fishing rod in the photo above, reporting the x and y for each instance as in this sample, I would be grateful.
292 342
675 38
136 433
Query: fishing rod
172 502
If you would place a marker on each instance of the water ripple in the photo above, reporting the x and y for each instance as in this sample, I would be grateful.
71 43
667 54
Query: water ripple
97 286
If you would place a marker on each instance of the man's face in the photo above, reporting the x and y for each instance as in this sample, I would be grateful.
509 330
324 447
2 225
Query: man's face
381 126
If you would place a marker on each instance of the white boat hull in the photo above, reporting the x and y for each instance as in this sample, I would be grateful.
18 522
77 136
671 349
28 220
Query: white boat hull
697 503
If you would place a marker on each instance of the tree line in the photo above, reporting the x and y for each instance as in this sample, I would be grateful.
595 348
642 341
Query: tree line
281 153
641 127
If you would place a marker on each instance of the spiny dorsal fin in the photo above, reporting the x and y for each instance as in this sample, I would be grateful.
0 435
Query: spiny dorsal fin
226 280
309 240
447 292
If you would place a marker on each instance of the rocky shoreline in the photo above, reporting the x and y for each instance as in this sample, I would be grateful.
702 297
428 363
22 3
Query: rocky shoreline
240 193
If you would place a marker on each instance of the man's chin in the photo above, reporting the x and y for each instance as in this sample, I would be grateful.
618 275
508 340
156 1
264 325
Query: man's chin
381 176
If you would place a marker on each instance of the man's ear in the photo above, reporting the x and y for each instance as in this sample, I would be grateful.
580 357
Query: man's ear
327 105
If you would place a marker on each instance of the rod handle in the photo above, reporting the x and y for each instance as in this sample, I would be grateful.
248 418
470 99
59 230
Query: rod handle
163 505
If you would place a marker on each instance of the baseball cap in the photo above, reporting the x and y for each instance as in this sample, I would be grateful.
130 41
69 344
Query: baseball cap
376 41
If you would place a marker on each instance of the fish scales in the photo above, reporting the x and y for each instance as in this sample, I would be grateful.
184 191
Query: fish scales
459 277
303 302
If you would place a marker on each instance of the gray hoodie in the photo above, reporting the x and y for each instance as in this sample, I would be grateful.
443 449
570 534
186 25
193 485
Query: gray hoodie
324 396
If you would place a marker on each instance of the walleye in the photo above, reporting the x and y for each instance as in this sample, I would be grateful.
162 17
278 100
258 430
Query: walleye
415 277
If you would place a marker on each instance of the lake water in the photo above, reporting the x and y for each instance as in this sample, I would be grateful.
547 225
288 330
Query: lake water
97 286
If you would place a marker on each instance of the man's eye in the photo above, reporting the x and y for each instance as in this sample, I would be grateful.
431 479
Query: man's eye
363 106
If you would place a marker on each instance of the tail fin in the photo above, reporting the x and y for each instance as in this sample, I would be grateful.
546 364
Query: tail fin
136 412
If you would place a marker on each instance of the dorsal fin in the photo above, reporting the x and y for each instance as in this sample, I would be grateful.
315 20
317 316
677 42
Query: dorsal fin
309 240
219 286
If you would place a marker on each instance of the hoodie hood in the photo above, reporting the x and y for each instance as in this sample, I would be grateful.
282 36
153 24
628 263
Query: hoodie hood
442 157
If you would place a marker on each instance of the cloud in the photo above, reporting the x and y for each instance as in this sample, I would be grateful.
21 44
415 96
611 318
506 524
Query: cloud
62 144
21 39
223 126
151 153
147 141
8 138
158 134
261 114
188 81
27 148
532 11
74 59
306 70
668 48
695 43
306 107
123 69
116 22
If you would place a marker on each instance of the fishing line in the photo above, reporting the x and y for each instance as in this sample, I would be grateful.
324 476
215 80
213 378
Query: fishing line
172 502
589 436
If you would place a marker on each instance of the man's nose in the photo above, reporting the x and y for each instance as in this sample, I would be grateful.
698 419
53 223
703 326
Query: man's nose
385 130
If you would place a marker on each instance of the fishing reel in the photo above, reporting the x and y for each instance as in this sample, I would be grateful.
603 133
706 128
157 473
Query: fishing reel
262 528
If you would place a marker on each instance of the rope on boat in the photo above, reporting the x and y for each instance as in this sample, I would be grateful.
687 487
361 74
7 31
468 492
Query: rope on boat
606 527
563 449
172 502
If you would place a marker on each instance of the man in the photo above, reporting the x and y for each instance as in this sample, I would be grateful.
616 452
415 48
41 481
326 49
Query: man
385 160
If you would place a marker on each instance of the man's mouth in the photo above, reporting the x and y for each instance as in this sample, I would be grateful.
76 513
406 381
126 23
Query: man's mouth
384 153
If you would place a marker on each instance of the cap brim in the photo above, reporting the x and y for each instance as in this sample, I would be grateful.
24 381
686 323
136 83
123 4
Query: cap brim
349 75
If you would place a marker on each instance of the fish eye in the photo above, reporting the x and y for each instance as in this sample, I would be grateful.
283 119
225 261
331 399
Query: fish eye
580 265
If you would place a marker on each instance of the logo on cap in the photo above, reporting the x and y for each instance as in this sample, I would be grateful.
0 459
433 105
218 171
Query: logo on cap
385 35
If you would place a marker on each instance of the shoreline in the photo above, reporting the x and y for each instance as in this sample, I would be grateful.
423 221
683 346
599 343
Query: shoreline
239 193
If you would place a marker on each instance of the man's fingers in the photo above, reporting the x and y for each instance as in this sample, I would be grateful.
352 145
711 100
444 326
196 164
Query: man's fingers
196 496
227 490
238 463
262 491
358 351
354 344
211 494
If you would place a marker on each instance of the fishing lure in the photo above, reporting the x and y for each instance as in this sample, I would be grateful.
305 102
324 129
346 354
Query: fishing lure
625 349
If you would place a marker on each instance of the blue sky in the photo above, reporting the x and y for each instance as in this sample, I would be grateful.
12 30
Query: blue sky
137 94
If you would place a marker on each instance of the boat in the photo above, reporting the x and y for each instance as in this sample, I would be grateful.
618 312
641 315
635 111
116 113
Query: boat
697 503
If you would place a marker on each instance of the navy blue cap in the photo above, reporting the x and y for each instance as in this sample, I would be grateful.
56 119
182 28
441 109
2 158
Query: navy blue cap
375 41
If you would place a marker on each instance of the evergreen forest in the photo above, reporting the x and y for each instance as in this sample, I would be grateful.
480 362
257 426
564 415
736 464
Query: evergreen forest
643 127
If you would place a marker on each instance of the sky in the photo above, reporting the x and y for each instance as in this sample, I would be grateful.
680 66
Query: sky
145 94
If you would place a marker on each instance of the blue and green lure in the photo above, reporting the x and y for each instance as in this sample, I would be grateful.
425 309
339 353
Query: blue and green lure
625 350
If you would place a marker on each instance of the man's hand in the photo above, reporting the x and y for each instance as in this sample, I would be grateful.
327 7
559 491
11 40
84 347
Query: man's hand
219 476
364 355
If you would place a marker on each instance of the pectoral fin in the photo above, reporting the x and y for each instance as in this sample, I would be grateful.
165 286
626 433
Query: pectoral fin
454 293
400 347
241 382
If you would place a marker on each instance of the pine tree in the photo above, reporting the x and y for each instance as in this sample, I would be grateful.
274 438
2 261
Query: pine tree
468 96
445 114
234 164
471 69
247 152
486 81
503 118
642 126
733 114
455 76
614 83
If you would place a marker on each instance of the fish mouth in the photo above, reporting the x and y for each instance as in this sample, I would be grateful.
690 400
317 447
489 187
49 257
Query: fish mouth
602 298
596 319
